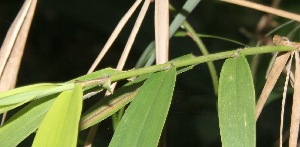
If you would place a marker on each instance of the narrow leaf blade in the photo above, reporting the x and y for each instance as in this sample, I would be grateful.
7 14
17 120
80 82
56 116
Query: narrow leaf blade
236 104
112 103
60 125
24 122
143 121
26 89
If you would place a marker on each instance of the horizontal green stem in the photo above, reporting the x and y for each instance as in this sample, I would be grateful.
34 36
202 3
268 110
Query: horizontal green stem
198 60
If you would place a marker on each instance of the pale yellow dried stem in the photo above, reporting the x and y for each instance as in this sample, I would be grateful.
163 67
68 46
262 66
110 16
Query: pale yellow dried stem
277 68
288 69
266 9
162 31
9 75
13 47
91 135
114 35
133 34
12 34
295 118
124 55
131 39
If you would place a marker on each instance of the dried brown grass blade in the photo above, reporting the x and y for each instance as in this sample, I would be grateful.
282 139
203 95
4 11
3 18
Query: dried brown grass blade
133 34
114 35
12 34
9 75
266 9
288 69
277 68
13 47
162 30
296 105
124 55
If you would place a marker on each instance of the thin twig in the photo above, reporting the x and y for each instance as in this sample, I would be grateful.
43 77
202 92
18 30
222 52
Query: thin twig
277 68
12 34
266 9
296 106
10 71
115 34
91 135
123 58
133 34
9 75
288 68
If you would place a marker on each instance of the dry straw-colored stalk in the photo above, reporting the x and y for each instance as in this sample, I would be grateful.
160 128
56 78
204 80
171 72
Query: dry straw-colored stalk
266 9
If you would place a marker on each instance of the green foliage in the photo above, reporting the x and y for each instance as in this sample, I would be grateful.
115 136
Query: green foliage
236 104
25 122
112 103
144 119
19 96
54 109
43 95
60 125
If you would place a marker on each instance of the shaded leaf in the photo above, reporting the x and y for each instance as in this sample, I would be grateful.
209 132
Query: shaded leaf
144 119
24 122
112 103
19 96
236 104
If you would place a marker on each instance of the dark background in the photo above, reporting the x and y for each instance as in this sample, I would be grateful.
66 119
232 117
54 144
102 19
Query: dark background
67 35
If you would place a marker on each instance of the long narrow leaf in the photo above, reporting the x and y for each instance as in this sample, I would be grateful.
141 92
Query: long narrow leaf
60 125
112 103
27 89
144 119
236 104
24 122
15 98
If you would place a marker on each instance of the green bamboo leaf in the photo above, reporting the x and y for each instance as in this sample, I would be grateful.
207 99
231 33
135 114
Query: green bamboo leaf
33 93
60 125
55 90
24 122
9 107
121 97
144 119
112 103
36 91
236 104
23 89
21 97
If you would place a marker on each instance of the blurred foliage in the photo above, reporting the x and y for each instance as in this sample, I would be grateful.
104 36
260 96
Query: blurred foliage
67 35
